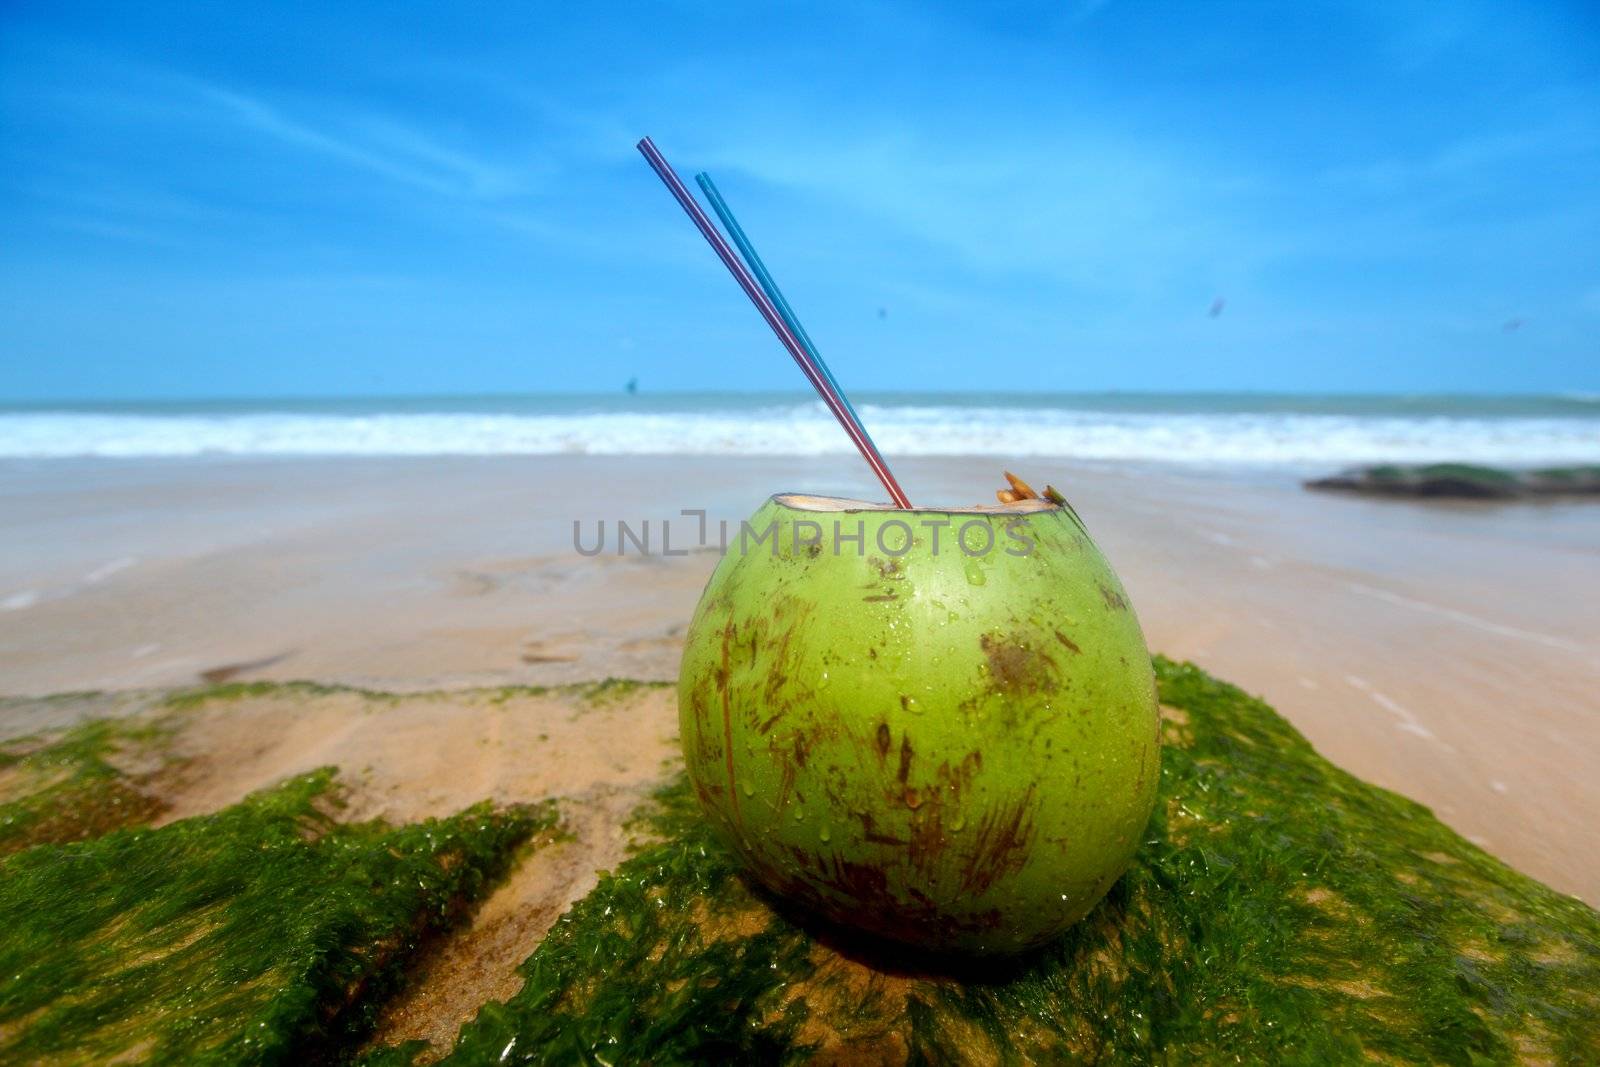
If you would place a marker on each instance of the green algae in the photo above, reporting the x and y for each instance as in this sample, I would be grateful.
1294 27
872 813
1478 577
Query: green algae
72 787
1568 474
1280 910
265 933
613 690
1466 471
229 692
606 691
507 693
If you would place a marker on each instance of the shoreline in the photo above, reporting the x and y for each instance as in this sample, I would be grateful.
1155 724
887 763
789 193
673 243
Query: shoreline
1394 635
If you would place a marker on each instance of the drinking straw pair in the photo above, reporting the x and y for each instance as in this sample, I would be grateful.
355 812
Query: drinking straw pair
757 283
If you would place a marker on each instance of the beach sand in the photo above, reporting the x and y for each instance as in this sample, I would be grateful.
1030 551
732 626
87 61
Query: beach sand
1449 652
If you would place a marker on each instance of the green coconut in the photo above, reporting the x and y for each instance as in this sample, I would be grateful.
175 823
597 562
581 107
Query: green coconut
936 726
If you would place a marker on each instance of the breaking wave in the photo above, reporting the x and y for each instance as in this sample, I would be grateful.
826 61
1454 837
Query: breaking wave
1230 436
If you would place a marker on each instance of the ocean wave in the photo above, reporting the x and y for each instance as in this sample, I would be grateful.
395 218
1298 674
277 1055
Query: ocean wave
807 429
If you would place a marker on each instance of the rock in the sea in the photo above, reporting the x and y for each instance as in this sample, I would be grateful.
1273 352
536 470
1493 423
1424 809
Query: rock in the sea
1463 481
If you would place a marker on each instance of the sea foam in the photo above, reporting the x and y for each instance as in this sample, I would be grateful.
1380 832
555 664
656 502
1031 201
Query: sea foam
1224 437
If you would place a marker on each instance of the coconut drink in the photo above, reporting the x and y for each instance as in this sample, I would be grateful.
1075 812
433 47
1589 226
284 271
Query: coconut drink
938 726
935 725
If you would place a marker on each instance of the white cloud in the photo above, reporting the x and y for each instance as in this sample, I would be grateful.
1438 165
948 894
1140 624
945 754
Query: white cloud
377 144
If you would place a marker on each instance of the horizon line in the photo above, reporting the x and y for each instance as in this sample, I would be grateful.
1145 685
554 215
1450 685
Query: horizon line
1575 395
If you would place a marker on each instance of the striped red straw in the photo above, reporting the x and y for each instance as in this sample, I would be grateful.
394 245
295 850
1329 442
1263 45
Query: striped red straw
830 396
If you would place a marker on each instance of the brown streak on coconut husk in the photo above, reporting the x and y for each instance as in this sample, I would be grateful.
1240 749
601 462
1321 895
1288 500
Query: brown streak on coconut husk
1003 837
1015 667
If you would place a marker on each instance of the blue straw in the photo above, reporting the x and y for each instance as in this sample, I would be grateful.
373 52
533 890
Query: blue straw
805 360
770 287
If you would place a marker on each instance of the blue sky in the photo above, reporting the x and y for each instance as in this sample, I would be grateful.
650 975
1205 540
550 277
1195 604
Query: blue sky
238 199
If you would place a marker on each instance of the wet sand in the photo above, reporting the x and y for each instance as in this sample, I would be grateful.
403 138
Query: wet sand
1450 652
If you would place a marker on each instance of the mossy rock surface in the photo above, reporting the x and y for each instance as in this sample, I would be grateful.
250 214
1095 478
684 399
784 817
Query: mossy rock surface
76 786
1280 910
265 933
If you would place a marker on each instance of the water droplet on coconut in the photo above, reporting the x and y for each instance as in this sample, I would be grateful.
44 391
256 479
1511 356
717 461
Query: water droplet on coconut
825 835
749 790
911 705
799 815
959 823
975 575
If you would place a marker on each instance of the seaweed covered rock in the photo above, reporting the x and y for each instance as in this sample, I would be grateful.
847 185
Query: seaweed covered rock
1279 910
76 786
1463 481
263 933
